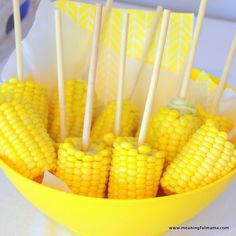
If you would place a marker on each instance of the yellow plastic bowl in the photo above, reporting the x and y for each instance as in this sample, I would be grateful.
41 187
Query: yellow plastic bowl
105 217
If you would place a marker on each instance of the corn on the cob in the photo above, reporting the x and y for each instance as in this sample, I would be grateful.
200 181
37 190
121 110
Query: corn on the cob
135 170
86 173
169 131
75 98
207 157
105 122
223 122
24 142
35 93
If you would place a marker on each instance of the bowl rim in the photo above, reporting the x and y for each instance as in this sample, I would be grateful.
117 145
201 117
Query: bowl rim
160 198
196 72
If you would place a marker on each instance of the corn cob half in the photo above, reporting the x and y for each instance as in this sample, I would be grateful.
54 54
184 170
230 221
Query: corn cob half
24 142
207 157
169 131
105 122
223 122
33 92
135 170
86 173
75 98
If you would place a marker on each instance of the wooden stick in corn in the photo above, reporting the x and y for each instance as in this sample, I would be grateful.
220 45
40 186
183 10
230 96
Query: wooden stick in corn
120 87
193 48
119 117
66 113
85 165
18 40
24 142
60 73
67 104
155 77
92 78
224 76
106 13
104 123
136 167
224 123
147 46
207 157
34 93
172 126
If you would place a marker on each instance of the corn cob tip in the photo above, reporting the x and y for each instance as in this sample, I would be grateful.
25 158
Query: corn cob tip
169 131
207 157
223 122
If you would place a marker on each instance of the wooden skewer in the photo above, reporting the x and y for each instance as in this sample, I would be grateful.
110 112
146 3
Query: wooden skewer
106 12
155 77
92 78
60 74
232 134
193 48
18 40
105 16
119 100
224 76
147 46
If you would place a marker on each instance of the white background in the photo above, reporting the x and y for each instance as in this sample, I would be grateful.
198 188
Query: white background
220 9
216 8
20 218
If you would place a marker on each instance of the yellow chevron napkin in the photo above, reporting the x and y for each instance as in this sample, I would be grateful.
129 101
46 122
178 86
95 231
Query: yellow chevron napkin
175 53
178 39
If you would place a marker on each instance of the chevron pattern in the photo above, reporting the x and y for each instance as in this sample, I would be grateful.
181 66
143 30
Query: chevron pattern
107 74
111 34
71 9
204 89
177 43
138 31
178 38
204 80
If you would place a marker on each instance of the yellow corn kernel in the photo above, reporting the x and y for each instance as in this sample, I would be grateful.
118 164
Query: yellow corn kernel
169 131
86 173
223 122
75 99
135 173
24 142
217 161
35 93
105 122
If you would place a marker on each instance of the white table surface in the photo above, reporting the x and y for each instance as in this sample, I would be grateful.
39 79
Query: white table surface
20 218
